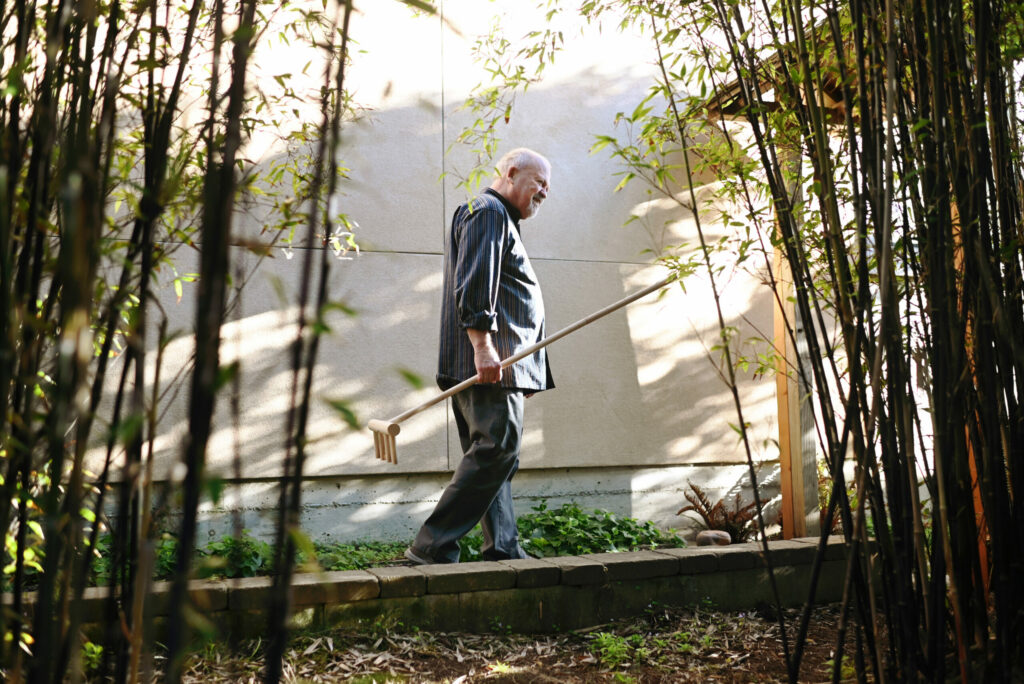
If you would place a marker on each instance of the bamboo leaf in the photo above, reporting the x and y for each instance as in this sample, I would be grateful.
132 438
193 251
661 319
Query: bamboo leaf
414 379
344 409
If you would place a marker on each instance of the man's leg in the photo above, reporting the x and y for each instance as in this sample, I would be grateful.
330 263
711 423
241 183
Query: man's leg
501 536
490 422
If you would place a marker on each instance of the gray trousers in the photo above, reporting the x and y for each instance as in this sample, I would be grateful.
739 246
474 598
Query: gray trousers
490 423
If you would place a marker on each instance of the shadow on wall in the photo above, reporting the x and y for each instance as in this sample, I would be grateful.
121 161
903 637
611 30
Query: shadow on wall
636 390
644 388
394 295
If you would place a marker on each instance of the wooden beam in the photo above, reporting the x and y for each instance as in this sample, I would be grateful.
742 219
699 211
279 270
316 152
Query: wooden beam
787 393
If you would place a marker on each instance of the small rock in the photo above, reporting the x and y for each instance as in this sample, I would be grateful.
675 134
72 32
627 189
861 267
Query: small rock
713 537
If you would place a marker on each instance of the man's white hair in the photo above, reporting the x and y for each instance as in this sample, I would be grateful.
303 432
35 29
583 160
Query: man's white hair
519 158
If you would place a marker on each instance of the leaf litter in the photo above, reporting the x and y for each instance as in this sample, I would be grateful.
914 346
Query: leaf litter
664 645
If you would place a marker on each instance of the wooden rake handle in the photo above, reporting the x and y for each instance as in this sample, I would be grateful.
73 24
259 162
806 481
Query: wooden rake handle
390 428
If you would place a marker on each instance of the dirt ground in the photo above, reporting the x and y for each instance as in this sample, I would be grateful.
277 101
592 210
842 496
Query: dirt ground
665 645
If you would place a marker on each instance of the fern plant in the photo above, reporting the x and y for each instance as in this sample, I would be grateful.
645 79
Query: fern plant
739 522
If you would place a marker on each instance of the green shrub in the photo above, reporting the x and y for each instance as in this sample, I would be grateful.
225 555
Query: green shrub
470 546
32 557
241 557
358 555
612 650
92 658
569 530
166 556
100 560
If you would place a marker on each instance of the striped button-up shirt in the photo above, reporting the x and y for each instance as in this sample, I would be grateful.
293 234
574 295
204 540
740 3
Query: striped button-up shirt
490 285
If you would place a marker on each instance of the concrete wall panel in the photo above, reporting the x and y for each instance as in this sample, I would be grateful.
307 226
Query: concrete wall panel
639 386
640 408
391 143
392 507
396 304
588 83
395 300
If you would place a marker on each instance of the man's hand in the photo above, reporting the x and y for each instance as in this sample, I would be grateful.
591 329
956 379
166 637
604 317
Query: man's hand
485 356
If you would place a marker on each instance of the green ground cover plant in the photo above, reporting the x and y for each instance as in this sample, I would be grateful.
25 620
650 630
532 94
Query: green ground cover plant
569 530
357 555
243 556
546 532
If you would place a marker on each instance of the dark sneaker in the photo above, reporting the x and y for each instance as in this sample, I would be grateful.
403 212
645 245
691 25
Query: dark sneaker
521 554
417 559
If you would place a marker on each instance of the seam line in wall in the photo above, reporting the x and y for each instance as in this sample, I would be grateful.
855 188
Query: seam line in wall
444 205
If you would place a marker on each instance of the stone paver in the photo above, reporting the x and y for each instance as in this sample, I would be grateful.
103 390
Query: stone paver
789 553
580 570
526 594
736 556
341 586
532 573
249 593
636 565
450 578
692 560
398 581
835 545
207 595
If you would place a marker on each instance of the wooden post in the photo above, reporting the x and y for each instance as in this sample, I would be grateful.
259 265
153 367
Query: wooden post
787 397
797 451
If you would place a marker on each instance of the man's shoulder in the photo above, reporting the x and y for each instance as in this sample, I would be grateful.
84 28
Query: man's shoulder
485 201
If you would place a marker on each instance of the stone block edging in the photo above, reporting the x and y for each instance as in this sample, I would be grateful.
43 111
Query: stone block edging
567 592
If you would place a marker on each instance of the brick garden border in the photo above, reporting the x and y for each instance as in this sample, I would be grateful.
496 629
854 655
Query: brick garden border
532 595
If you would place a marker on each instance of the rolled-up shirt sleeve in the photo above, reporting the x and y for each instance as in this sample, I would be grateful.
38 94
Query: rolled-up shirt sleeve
478 270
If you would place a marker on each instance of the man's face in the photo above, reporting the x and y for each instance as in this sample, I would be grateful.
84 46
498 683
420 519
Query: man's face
528 187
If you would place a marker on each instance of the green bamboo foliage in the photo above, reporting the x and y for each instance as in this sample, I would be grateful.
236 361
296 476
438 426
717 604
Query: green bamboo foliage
934 238
305 349
100 178
217 211
880 154
911 243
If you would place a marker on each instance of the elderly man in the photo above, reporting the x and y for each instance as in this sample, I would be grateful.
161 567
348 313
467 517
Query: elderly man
491 309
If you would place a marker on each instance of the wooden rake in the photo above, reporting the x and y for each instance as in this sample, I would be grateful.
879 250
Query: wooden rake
385 431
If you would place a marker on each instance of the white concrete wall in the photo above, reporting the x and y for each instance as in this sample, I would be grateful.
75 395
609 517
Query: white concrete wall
639 410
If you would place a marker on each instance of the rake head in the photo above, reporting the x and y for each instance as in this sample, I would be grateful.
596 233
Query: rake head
384 433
